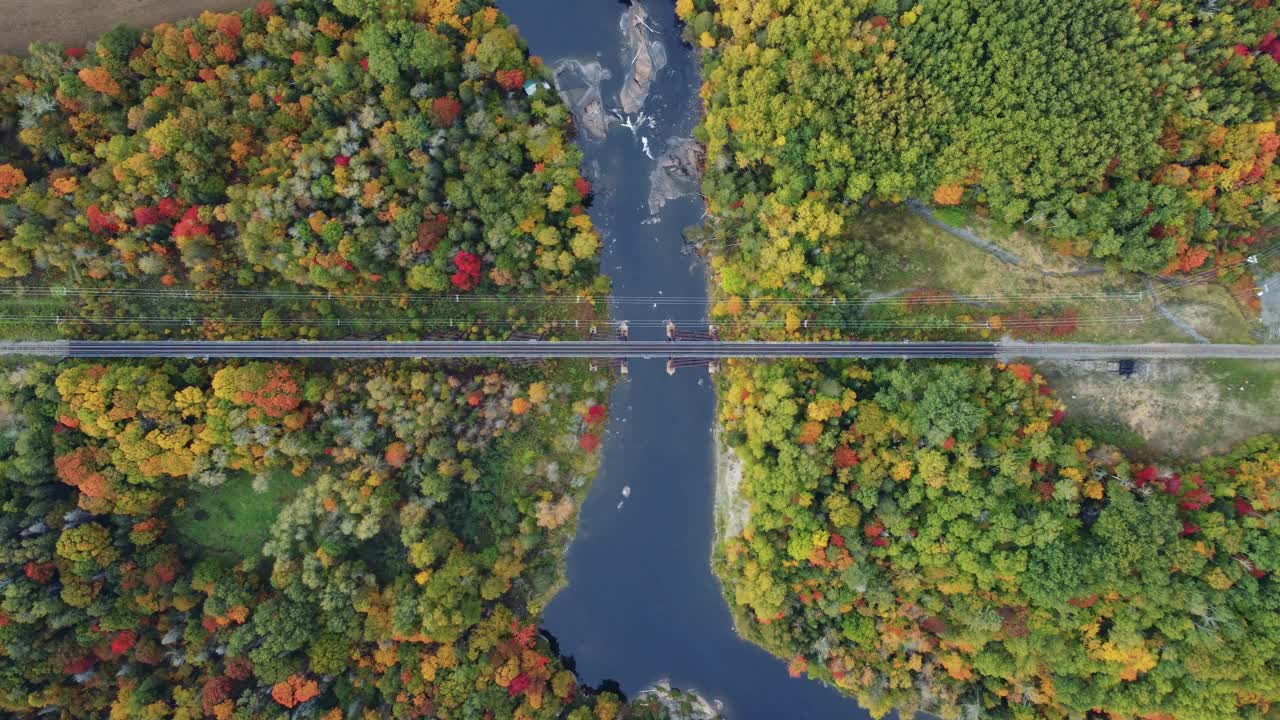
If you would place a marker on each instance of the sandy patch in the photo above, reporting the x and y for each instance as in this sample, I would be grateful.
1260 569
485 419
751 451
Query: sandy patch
73 22
732 510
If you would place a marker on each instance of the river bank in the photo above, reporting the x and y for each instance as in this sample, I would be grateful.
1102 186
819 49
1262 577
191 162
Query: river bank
732 510
642 604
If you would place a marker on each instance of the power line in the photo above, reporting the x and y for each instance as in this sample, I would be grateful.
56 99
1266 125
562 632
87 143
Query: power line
462 324
918 298
459 298
936 298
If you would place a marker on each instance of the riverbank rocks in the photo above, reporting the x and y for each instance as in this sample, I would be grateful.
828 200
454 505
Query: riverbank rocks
579 84
678 172
647 57
677 704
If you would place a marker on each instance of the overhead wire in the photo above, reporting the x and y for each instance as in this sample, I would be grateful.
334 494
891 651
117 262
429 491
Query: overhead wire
584 326
939 298
462 322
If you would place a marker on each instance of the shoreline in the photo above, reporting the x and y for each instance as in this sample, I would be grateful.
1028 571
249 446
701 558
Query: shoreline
731 511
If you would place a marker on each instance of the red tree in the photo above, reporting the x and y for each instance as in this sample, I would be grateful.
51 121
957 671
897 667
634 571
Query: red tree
216 690
39 572
518 684
123 642
510 79
1144 476
446 110
468 274
169 208
190 225
101 223
145 216
845 457
430 230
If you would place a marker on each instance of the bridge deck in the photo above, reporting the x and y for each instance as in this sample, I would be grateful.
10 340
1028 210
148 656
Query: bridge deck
706 349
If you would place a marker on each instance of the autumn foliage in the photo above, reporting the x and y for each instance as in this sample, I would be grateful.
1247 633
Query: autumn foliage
12 180
239 158
510 79
853 570
445 110
468 270
269 387
296 689
948 194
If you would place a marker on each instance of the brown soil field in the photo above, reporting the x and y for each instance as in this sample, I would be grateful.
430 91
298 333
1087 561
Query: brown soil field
72 22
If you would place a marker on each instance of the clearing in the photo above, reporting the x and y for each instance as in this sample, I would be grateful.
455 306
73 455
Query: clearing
911 254
232 518
1171 408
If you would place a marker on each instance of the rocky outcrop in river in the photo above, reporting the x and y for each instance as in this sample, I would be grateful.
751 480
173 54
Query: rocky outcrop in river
678 173
579 84
648 56
670 703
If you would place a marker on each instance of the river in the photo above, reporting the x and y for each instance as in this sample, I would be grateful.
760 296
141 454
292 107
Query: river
641 602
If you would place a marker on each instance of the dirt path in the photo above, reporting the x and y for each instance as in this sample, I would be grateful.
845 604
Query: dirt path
968 236
72 22
987 246
1178 322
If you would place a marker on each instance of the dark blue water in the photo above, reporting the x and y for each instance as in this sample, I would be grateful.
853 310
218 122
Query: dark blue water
642 603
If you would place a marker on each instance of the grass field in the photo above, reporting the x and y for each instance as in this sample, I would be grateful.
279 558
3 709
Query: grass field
911 254
1213 312
1171 408
232 519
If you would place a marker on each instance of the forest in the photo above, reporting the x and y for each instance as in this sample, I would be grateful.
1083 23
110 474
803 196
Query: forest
253 540
404 574
1141 134
932 538
243 540
347 149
